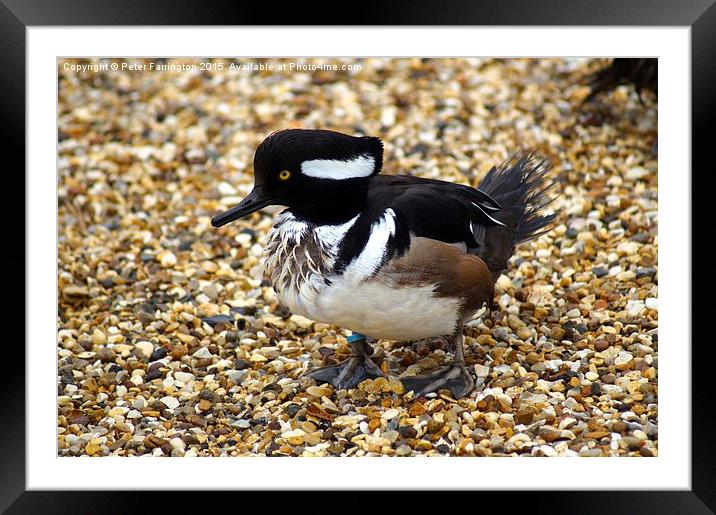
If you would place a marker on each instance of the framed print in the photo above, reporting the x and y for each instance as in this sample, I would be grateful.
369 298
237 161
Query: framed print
274 263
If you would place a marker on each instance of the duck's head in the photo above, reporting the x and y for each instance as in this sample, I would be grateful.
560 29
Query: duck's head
320 175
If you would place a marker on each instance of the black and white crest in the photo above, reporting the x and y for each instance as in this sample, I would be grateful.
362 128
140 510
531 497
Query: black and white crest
319 154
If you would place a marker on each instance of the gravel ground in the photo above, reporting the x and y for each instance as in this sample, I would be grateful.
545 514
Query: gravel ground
170 344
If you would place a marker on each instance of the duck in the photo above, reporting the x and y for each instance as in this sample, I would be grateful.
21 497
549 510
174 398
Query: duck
390 257
642 73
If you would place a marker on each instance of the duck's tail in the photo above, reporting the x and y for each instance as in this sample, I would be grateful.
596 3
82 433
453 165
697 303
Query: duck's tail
522 189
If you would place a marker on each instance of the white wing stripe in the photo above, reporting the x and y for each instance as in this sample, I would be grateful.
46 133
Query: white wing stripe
372 255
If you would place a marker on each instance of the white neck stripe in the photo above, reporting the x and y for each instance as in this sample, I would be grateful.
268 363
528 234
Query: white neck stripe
361 166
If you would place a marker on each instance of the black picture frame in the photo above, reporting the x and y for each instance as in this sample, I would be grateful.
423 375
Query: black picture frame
700 15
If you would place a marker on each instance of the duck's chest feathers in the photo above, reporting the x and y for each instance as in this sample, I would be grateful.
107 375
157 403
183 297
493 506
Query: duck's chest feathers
299 257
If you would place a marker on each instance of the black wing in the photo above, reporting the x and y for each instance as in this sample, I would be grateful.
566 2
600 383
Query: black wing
444 211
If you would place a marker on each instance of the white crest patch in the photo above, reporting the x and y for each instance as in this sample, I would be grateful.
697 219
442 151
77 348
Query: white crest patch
361 166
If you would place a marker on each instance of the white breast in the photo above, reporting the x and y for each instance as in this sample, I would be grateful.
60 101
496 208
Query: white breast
299 258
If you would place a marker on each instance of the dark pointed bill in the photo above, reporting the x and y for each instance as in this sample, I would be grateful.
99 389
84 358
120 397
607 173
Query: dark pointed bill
252 203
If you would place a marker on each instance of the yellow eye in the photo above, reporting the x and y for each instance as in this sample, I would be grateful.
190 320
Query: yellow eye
284 175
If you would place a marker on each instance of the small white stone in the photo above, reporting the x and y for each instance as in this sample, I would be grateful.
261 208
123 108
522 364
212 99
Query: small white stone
628 247
146 348
548 450
202 353
641 435
177 443
170 402
167 259
652 303
390 414
387 116
567 422
184 377
635 307
481 370
504 283
137 380
623 360
570 403
269 352
243 239
636 173
302 322
237 377
226 190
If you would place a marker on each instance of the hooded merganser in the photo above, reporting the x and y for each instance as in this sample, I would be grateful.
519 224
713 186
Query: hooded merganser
393 257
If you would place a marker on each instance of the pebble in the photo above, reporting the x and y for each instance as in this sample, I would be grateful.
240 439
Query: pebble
403 450
167 259
390 414
645 272
481 370
170 402
219 319
600 271
177 443
145 347
301 322
623 360
635 307
318 391
202 353
628 247
98 337
557 333
184 377
158 354
601 345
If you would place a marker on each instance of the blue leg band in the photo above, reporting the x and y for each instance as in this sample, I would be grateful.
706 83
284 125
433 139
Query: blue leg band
355 337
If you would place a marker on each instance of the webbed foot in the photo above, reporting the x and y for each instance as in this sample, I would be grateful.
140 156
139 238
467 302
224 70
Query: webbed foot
351 372
455 378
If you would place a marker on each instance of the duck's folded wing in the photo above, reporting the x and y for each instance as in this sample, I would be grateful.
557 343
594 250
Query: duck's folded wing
443 211
400 208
